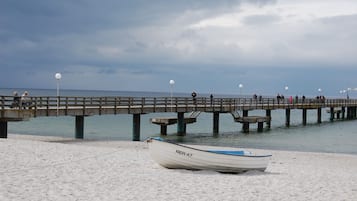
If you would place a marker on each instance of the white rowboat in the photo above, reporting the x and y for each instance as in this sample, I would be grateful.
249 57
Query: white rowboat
179 156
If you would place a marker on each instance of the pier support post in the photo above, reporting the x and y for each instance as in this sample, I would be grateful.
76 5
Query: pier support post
181 130
136 127
287 117
163 129
3 129
318 115
268 114
332 113
349 113
353 112
343 109
260 126
245 124
304 118
350 110
215 122
79 132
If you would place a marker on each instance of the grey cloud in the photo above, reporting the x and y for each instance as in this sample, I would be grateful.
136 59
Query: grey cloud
43 17
350 20
149 40
49 33
344 25
107 71
261 19
137 47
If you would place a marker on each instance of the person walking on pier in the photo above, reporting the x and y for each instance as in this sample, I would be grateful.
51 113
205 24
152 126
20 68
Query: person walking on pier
194 94
16 100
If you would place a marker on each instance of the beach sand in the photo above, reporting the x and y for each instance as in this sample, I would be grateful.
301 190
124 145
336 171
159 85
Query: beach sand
49 168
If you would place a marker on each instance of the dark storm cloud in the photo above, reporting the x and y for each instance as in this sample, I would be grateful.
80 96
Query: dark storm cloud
44 32
141 44
42 17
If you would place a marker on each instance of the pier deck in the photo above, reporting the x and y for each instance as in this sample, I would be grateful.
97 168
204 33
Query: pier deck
252 119
171 120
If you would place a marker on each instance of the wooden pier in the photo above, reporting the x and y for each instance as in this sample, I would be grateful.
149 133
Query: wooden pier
80 107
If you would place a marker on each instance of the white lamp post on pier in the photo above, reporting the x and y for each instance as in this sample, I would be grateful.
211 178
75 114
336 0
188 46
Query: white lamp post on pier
348 90
240 89
172 82
58 77
286 89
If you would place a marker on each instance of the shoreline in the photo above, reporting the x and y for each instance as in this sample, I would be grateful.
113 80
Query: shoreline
66 139
56 168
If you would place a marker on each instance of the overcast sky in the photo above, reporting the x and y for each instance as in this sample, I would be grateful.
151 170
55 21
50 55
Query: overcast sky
204 45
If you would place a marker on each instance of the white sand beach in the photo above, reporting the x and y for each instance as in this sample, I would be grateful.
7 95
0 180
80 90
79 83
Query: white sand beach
48 168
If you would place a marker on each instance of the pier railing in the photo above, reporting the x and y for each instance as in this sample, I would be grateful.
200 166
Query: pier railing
53 105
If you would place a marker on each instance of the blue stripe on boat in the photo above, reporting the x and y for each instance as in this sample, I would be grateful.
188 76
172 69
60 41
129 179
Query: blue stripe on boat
238 153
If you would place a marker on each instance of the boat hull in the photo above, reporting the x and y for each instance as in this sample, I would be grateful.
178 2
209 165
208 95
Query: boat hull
177 156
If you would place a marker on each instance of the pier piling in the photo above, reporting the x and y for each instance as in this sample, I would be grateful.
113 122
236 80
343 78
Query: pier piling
332 113
260 126
136 127
304 116
287 117
79 132
3 129
349 113
268 114
343 109
215 122
319 115
163 129
181 124
245 124
353 112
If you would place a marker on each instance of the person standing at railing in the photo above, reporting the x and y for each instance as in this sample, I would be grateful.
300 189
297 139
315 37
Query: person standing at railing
25 100
194 94
278 97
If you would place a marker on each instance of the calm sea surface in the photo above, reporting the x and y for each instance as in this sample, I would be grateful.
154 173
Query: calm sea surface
335 137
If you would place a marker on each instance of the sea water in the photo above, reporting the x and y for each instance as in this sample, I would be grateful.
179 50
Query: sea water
339 136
